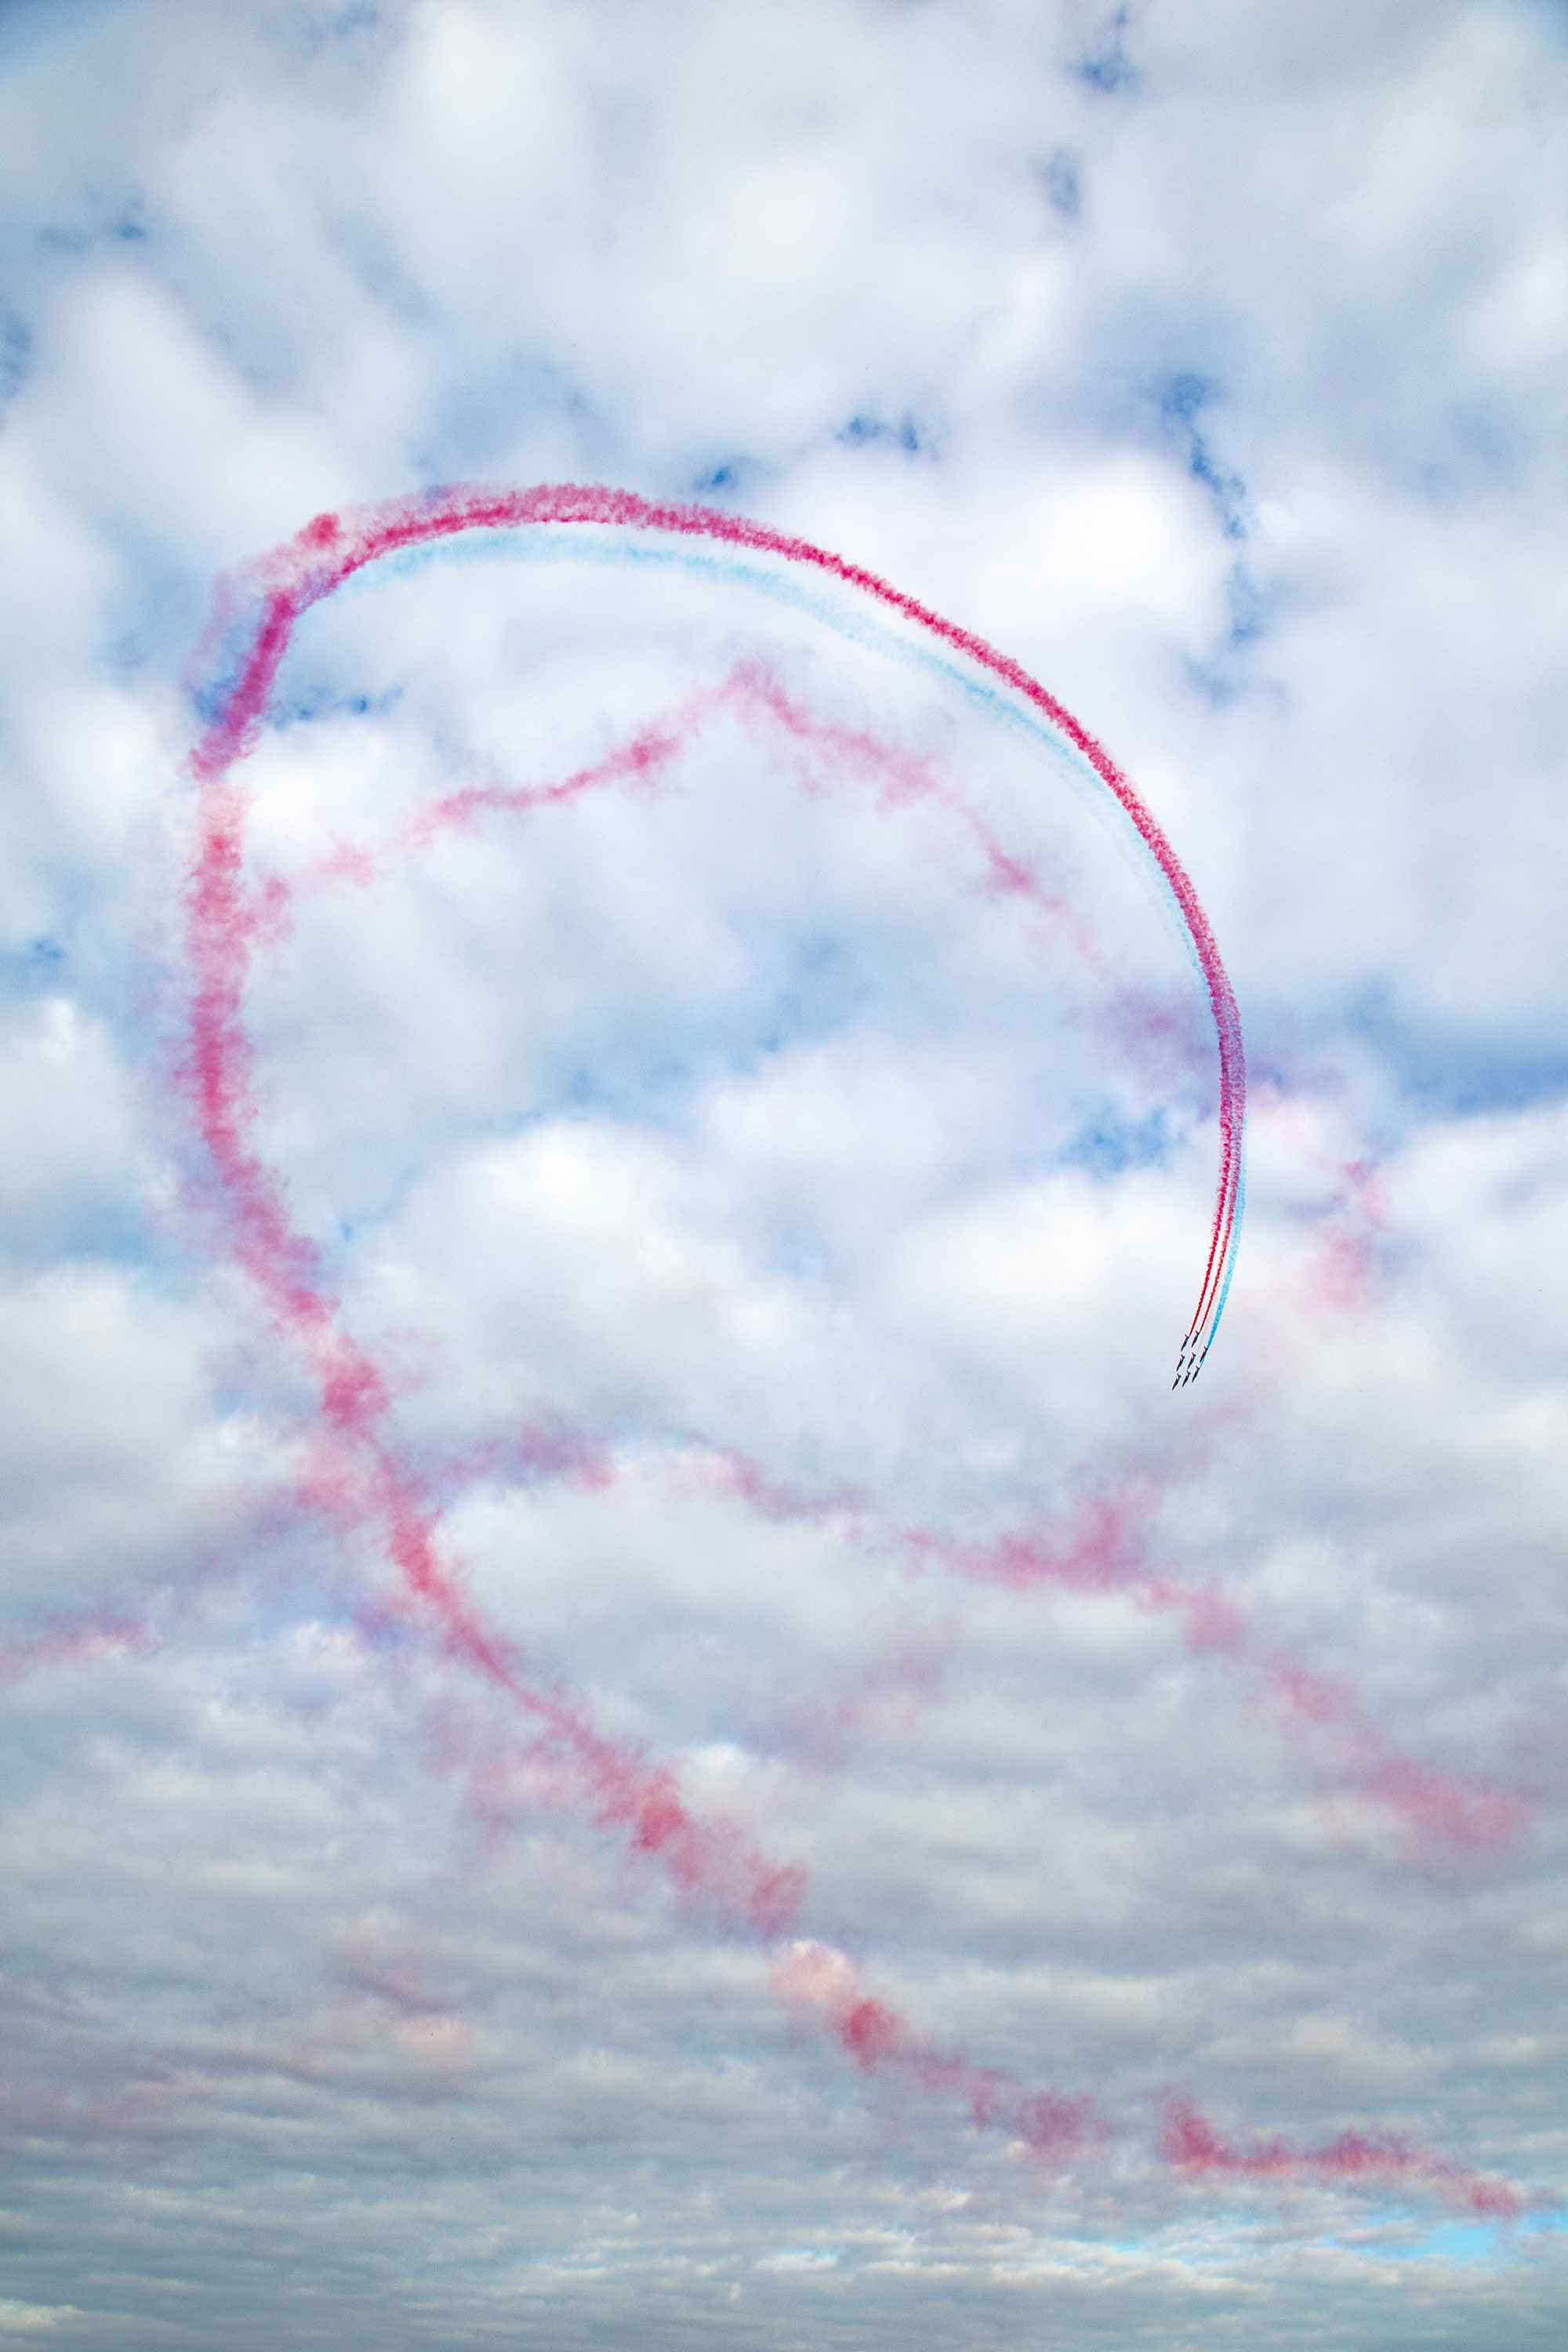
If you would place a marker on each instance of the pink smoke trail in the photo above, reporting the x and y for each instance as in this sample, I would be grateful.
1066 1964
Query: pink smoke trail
1103 1545
820 1990
1190 2143
752 695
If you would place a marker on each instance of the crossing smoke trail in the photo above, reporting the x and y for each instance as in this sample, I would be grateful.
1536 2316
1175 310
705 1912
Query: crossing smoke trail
364 1478
1103 1543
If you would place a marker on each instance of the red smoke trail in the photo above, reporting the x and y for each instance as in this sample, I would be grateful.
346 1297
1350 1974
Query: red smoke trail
638 761
903 779
362 1477
1441 1810
752 695
1192 2144
819 1989
1103 1545
333 547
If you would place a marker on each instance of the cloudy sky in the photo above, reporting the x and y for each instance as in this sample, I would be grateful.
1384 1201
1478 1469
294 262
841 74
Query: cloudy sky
633 1715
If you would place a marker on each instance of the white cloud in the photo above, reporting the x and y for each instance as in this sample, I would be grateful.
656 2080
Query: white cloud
775 1235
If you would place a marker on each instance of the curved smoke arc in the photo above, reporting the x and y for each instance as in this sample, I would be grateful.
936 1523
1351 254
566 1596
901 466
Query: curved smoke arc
333 547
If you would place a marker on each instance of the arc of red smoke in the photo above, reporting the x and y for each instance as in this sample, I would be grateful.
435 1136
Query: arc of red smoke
333 547
1190 2143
